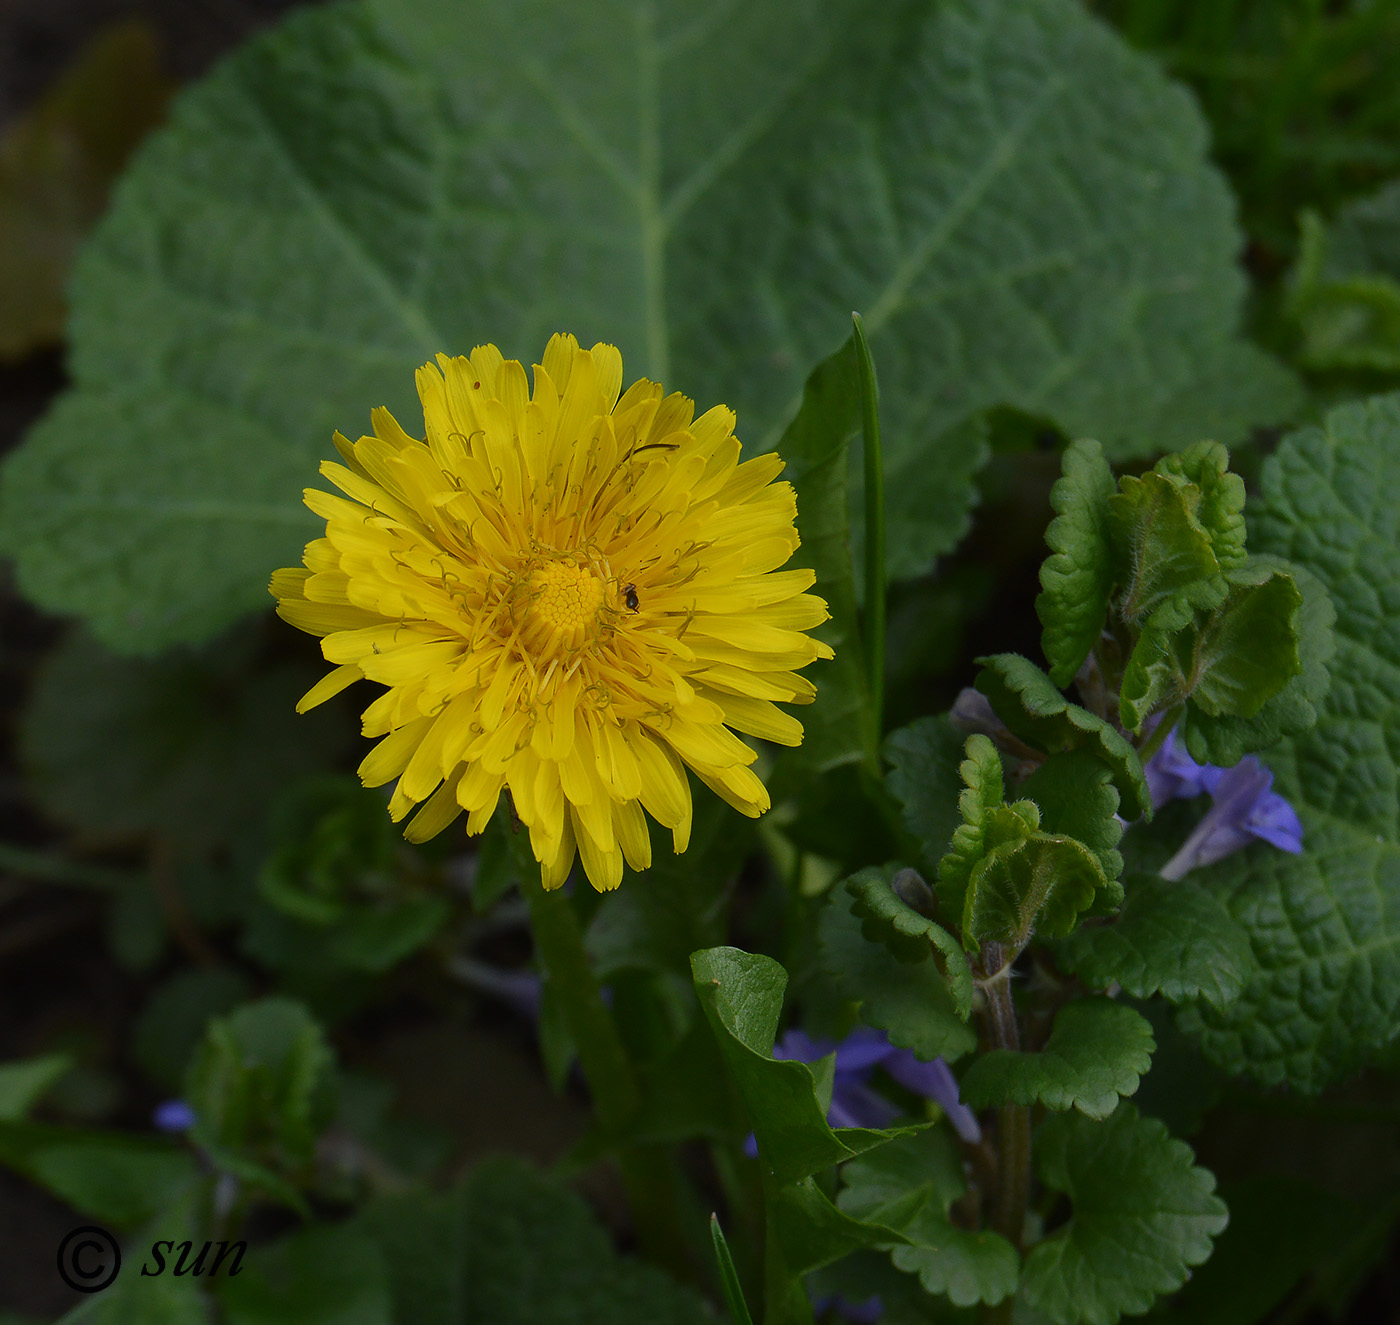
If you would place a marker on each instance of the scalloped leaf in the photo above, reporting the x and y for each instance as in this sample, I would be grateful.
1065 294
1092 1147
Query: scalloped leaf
1033 708
910 1184
1077 579
1098 1051
1143 1214
1171 937
922 1005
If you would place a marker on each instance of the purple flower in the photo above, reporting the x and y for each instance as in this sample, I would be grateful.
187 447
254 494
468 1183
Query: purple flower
858 1313
854 1103
1173 775
173 1116
1246 808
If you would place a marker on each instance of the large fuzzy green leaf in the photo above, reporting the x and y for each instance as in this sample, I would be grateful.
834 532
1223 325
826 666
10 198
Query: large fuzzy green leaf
1019 204
1325 925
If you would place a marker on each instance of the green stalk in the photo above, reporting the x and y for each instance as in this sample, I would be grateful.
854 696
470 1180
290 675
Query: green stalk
729 1277
1163 729
649 1173
874 632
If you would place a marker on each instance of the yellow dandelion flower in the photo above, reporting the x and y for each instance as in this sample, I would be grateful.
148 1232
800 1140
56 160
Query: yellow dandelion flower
571 593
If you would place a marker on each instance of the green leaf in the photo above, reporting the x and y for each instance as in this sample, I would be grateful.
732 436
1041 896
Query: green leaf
1077 579
195 746
1076 797
912 937
911 1184
924 758
1038 885
1229 663
1097 1051
1162 546
837 728
513 1247
1345 296
1173 938
1033 708
120 1179
24 1083
1325 925
258 1084
322 1275
1225 739
742 994
370 183
1143 1214
166 1298
915 1003
1219 507
987 823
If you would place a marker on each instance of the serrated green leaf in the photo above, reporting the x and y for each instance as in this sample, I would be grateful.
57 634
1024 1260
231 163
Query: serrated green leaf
1227 662
742 995
1249 645
513 1247
987 823
1033 708
885 917
910 1184
370 183
1226 738
1098 1051
1038 885
1076 797
258 1083
1171 937
1143 1214
915 1003
1162 548
924 758
1325 925
1220 505
1077 579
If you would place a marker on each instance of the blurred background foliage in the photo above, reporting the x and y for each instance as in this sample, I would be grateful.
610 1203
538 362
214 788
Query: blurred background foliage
198 900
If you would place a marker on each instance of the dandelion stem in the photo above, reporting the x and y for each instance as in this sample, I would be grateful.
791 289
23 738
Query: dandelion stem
874 633
649 1173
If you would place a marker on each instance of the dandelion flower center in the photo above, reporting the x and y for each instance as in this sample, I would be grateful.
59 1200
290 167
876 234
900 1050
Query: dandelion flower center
564 604
477 573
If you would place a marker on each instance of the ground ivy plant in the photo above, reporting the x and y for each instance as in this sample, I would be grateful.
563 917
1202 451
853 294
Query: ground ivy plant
1012 943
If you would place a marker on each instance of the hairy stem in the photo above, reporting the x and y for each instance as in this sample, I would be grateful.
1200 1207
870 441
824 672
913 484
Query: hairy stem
1013 1123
